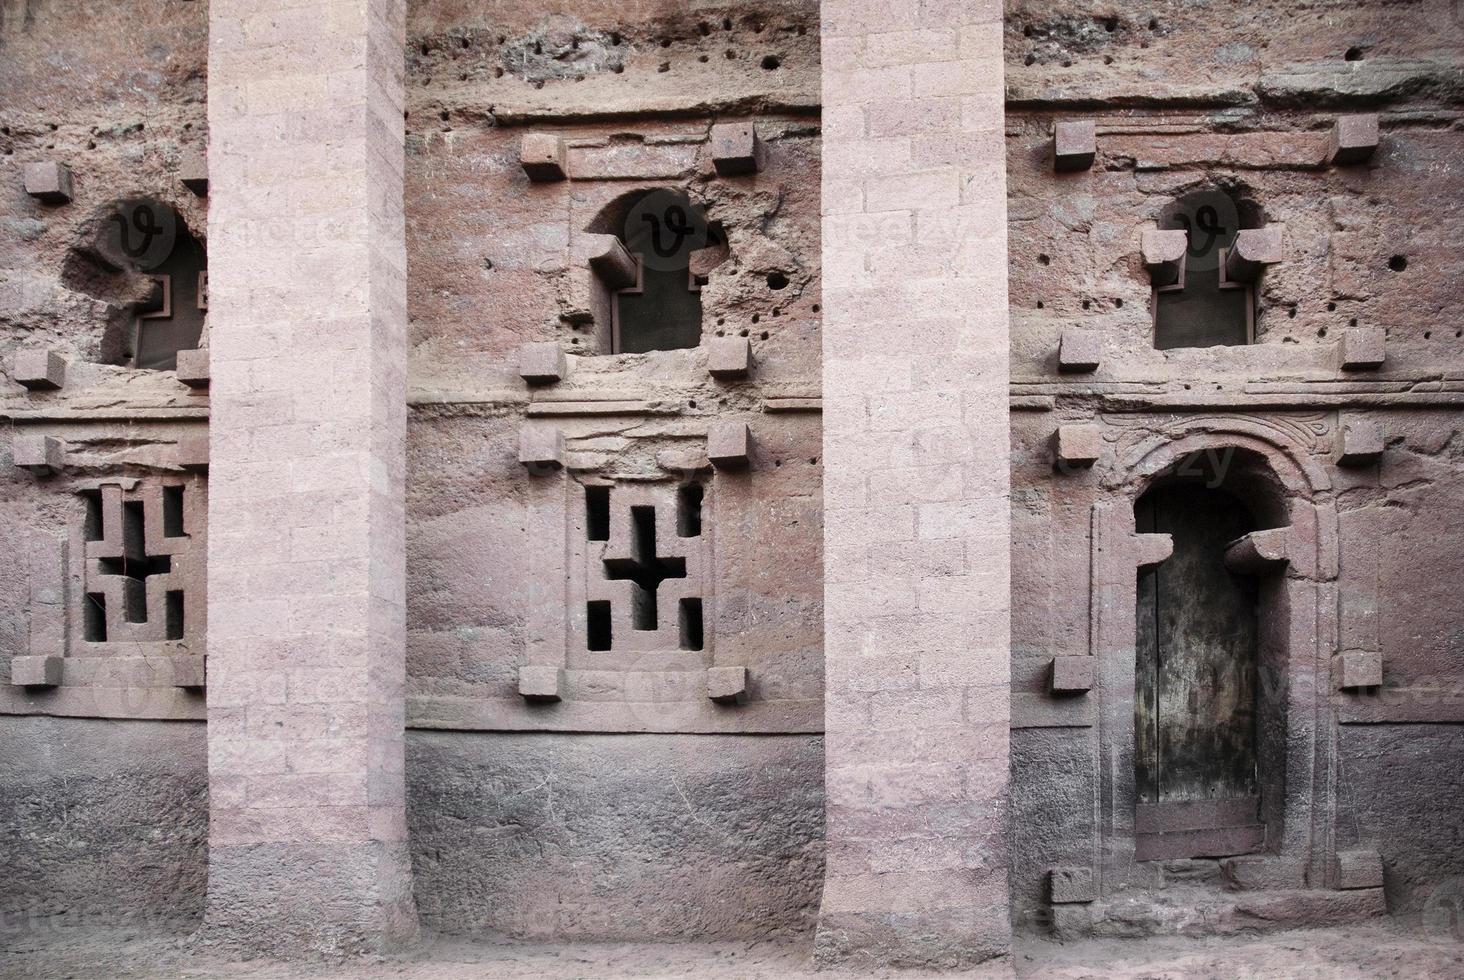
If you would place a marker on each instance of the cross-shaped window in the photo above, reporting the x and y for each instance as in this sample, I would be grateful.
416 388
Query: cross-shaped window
644 568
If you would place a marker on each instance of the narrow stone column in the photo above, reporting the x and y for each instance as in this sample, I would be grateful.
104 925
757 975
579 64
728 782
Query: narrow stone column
916 484
307 319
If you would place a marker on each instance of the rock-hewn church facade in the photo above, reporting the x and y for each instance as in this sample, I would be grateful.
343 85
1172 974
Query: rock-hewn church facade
900 474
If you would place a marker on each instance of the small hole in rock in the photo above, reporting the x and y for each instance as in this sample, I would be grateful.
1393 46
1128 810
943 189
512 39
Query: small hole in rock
1353 54
1398 263
776 280
1044 260
770 62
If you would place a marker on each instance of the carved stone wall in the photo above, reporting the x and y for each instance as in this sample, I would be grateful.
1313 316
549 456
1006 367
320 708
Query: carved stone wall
1179 101
531 133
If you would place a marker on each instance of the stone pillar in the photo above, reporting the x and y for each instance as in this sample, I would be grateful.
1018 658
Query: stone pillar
916 451
307 320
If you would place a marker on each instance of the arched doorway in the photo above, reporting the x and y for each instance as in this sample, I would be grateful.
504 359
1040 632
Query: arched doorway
1196 678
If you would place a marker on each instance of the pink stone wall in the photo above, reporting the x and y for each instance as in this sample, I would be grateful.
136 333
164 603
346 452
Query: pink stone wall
915 495
307 833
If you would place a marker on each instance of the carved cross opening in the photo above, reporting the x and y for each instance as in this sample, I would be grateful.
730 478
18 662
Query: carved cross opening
644 568
134 565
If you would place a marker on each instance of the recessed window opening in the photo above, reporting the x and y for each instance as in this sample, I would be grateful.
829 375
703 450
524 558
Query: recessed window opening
644 569
1204 308
663 230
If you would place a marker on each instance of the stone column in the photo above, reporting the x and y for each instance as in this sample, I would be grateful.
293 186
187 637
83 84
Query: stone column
307 319
916 453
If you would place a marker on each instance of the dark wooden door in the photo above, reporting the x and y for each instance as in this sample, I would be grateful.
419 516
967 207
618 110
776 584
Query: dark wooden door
1195 705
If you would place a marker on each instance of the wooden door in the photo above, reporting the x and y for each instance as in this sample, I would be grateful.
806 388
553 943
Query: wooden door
1195 704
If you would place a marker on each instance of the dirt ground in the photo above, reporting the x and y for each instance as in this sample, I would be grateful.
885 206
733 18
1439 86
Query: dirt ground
1373 951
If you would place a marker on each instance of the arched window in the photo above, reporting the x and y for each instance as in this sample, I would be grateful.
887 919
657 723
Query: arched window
171 319
669 239
1203 307
139 257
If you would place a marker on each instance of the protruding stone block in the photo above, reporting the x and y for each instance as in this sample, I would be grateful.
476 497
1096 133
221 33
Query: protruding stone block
31 671
539 682
729 357
612 262
1079 351
193 367
193 452
1252 251
727 445
541 449
191 672
1363 348
1071 885
1074 144
1163 251
542 156
1077 445
48 181
1359 869
1072 922
1152 548
1259 552
1261 872
1353 139
736 149
684 462
39 370
727 685
1362 442
1071 675
1359 669
193 171
41 455
542 363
